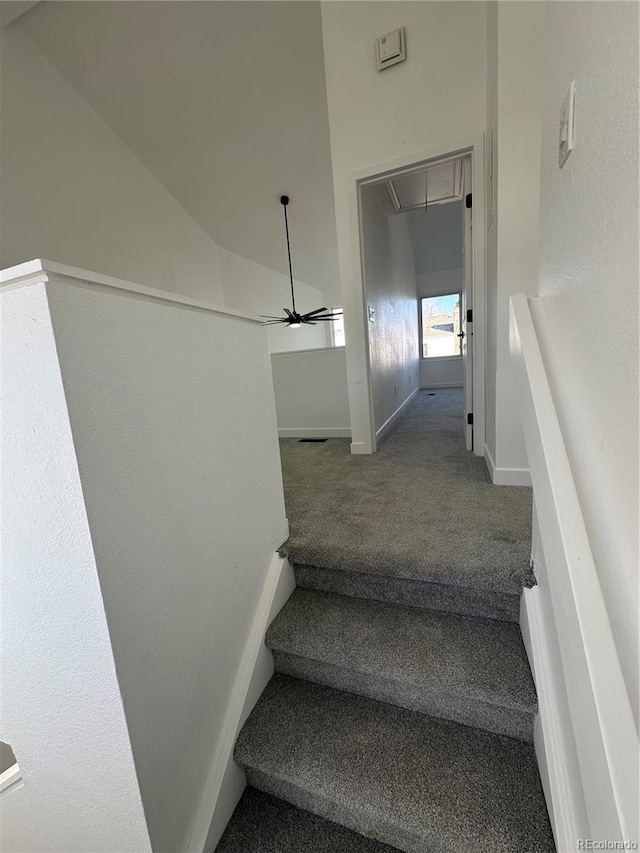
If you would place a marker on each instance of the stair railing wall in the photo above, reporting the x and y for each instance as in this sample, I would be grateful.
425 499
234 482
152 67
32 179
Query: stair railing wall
586 740
146 508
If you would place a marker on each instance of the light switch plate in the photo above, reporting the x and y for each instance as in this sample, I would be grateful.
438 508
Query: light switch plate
566 135
391 49
371 313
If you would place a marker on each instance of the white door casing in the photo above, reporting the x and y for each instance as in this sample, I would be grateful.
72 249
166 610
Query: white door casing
466 327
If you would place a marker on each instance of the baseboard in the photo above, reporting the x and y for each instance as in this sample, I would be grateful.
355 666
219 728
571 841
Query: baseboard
553 736
315 432
441 385
506 476
359 448
226 780
386 426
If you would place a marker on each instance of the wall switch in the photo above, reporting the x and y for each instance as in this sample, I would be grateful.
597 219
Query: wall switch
371 313
566 137
391 49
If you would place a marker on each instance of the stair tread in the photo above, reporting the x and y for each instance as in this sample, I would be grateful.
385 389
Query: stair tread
401 777
265 824
466 656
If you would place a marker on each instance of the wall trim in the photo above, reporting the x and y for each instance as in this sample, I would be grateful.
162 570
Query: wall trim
553 735
390 421
11 779
226 781
315 432
441 385
506 476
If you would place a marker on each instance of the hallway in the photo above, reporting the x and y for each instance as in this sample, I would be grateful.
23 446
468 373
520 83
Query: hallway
386 726
421 509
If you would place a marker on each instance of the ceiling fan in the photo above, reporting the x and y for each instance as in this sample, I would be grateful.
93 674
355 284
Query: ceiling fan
293 319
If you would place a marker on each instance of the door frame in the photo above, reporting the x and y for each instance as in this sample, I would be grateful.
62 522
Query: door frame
357 327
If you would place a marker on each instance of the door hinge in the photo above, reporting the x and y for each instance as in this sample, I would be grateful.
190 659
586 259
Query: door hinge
470 418
469 315
468 200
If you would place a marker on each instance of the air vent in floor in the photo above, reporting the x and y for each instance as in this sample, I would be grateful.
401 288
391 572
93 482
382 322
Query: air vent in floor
314 440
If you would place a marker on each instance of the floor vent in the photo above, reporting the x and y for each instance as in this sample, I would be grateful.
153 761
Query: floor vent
314 440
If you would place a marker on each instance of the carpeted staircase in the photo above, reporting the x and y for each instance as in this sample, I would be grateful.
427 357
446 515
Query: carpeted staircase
394 727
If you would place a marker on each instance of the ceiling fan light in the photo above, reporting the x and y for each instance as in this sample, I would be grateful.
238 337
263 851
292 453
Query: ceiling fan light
295 325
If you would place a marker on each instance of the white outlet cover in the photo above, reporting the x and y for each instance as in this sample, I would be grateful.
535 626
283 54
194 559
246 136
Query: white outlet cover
371 312
566 135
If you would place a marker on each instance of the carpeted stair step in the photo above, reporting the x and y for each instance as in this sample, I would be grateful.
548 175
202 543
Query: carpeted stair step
399 777
468 601
265 824
472 671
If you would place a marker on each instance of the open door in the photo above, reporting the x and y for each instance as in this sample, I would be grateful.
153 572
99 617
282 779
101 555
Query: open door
466 307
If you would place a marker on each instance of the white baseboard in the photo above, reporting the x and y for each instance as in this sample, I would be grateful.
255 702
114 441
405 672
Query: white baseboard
553 736
359 448
386 426
315 432
441 385
506 476
226 780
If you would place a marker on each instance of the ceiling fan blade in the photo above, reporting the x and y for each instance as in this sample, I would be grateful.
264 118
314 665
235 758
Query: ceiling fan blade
270 317
273 322
308 323
317 311
288 313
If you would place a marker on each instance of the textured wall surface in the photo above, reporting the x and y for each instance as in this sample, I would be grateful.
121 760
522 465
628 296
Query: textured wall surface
311 389
61 706
515 73
174 425
390 282
588 313
429 100
76 194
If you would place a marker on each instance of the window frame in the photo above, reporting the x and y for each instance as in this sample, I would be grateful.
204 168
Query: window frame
436 358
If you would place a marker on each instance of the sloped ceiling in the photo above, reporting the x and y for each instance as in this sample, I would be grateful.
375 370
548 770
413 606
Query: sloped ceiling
224 102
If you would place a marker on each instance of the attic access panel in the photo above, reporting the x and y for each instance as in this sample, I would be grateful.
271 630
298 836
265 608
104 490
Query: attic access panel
436 185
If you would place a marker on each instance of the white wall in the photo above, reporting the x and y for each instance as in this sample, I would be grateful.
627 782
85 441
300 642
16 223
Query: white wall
61 706
254 288
514 99
311 393
224 102
588 313
180 475
390 285
408 108
436 236
73 192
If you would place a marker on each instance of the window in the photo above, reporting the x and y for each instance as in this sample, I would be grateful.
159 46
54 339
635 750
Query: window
337 328
440 323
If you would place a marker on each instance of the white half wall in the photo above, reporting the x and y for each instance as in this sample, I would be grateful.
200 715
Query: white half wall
587 316
172 417
411 107
73 192
311 393
62 711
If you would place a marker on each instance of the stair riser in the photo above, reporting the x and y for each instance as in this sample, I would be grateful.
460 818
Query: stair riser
411 593
497 719
340 813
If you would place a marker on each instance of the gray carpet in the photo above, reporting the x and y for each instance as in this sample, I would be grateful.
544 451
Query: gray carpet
264 824
471 671
402 778
422 507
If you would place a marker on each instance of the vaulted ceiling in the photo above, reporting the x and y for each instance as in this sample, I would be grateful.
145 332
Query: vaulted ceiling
224 102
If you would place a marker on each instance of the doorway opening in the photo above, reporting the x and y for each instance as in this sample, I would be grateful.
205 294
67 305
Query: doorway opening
423 289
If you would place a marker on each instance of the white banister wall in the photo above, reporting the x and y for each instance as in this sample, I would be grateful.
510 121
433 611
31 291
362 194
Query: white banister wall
144 501
586 739
312 399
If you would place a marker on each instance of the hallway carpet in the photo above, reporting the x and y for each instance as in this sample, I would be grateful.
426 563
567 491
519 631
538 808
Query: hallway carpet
421 508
